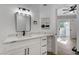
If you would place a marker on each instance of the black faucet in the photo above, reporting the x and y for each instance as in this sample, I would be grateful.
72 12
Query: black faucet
23 33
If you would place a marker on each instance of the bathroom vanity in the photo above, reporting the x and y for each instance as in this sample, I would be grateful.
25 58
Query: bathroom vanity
28 45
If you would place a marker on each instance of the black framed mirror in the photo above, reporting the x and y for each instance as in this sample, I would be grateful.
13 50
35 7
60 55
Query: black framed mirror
22 22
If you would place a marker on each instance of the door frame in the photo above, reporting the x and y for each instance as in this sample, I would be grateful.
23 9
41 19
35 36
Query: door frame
56 34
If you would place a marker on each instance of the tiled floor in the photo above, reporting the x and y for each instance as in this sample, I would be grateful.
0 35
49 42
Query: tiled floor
65 46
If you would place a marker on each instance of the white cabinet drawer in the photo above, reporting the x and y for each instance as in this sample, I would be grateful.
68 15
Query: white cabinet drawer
44 45
43 38
43 41
43 48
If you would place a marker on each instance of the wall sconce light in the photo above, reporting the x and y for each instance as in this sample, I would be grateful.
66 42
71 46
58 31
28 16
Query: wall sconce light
24 11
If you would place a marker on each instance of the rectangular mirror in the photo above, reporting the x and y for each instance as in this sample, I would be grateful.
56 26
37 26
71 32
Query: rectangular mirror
22 22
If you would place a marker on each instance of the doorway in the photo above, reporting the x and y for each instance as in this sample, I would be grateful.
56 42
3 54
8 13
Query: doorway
64 43
63 30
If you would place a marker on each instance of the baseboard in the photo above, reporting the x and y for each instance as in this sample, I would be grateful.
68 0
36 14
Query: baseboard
74 38
50 53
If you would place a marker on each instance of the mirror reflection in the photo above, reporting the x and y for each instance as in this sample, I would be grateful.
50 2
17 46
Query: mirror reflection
23 22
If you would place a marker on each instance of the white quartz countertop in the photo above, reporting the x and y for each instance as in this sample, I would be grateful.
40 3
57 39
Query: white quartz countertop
16 38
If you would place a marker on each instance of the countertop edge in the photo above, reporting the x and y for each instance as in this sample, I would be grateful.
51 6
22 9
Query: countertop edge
7 41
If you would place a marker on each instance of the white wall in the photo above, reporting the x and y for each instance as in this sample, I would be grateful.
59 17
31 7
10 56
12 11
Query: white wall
45 12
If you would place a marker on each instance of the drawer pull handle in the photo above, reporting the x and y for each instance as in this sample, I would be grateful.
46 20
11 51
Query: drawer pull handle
28 51
25 52
43 39
44 45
